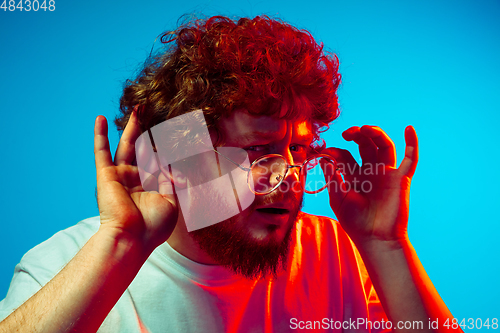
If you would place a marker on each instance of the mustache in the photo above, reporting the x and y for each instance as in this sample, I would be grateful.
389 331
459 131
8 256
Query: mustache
289 197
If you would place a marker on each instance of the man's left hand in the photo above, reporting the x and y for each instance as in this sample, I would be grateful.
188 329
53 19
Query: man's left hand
371 201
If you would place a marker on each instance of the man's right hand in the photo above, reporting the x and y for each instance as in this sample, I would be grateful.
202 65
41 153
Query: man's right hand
133 224
146 217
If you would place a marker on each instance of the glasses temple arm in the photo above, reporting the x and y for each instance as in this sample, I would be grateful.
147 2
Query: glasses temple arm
155 152
230 160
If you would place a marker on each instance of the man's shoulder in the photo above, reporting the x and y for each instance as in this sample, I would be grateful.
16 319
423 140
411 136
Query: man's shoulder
40 264
50 256
73 237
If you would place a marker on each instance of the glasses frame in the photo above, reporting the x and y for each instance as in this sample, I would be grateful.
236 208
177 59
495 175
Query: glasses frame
288 167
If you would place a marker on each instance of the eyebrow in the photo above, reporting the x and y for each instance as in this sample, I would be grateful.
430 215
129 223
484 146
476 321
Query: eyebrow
271 135
307 139
256 135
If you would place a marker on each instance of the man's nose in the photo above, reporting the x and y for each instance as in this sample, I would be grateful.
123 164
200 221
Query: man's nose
292 178
291 181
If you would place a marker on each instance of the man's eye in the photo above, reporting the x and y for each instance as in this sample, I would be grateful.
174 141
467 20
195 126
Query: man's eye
256 148
298 148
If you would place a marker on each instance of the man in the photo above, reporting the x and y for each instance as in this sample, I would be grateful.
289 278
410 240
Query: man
269 89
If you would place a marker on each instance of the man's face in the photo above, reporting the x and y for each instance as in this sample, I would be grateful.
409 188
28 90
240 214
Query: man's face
257 240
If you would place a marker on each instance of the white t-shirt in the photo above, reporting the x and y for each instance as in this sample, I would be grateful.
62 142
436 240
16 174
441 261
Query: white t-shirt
325 287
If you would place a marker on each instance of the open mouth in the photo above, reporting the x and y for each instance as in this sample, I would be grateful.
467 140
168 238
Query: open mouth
277 211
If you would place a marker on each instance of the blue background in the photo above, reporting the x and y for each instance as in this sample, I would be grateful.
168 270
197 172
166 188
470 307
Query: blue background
431 64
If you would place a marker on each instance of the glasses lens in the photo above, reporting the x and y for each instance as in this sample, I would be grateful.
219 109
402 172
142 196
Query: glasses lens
314 177
267 173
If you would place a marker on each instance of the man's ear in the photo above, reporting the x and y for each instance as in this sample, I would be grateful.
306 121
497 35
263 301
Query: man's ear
179 178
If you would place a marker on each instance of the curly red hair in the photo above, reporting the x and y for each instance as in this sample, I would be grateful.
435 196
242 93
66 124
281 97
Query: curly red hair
263 65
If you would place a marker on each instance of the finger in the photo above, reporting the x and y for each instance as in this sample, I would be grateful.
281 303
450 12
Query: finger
125 153
346 164
101 144
409 163
367 149
386 148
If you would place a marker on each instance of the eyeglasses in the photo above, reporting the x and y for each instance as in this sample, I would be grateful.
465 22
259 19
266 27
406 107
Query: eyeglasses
267 173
